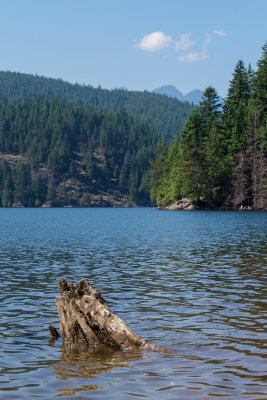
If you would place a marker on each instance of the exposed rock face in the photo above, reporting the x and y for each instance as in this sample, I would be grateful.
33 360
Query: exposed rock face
182 204
85 318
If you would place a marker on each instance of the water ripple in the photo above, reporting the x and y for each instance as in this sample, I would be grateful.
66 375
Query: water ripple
191 281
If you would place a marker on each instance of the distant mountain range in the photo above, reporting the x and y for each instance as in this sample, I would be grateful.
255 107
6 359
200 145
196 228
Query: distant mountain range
192 97
171 91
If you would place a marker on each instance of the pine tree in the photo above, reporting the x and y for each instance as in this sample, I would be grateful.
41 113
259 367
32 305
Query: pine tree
210 107
221 157
260 86
22 184
39 190
191 170
234 117
157 175
51 196
218 166
8 190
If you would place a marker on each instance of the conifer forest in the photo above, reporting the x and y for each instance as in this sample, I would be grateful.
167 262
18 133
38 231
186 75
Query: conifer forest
75 145
220 159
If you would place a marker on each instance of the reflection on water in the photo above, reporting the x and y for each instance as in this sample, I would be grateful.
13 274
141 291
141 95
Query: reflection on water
87 364
194 282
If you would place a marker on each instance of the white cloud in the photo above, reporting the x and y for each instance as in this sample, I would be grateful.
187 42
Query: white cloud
158 40
185 42
155 41
220 32
192 57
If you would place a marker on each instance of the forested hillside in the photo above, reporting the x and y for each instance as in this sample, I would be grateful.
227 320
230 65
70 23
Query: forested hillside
166 114
54 153
220 160
73 145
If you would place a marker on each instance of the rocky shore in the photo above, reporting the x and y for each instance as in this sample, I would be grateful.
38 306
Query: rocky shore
188 204
182 204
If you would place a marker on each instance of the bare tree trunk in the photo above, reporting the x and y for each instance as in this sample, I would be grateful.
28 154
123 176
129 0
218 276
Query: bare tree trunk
240 182
259 167
85 318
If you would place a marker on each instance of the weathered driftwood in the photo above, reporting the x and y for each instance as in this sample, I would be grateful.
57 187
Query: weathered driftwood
85 318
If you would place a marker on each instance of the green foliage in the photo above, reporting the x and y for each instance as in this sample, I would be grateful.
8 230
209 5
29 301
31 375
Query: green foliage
234 118
166 114
22 184
221 157
191 165
95 140
6 185
47 146
158 176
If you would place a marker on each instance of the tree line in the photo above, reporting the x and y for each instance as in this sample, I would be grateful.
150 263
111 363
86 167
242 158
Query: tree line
220 160
168 115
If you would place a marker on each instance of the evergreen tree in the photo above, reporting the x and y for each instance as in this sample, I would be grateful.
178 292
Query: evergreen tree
257 138
221 157
8 190
260 86
39 190
191 170
158 175
210 107
22 184
234 117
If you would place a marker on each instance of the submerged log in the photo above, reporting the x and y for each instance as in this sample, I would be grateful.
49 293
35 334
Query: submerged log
85 318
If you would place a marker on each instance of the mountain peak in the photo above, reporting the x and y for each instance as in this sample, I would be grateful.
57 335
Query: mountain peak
193 96
170 91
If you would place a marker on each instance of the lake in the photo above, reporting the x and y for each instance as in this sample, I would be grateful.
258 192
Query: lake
191 281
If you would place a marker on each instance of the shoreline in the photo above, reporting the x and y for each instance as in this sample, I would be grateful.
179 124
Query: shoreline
186 204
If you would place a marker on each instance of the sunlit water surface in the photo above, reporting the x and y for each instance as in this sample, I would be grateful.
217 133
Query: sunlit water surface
194 282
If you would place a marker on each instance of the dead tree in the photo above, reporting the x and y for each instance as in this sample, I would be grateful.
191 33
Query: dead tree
85 318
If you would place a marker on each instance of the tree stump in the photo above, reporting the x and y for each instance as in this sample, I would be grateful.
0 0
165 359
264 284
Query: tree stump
85 318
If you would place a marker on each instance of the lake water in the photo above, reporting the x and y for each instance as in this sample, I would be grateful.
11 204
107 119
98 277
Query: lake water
194 282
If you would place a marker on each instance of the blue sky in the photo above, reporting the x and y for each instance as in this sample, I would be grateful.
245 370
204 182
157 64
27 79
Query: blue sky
137 44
